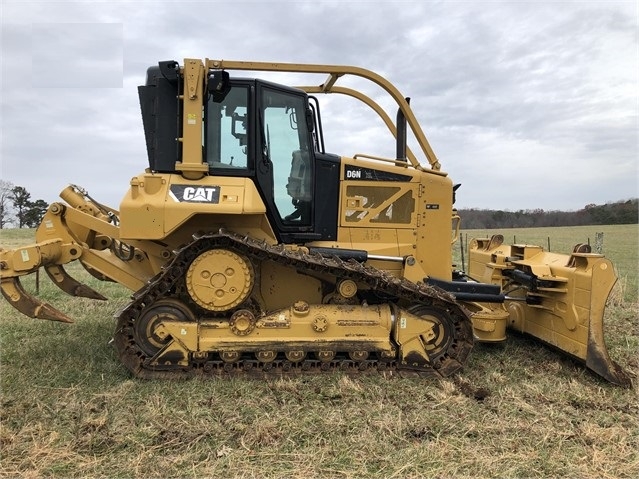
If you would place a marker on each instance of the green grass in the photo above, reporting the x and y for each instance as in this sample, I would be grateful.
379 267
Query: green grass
69 409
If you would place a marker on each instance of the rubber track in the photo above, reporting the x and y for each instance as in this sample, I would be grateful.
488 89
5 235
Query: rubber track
402 290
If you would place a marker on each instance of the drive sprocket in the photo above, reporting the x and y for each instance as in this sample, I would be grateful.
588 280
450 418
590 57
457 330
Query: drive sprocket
219 279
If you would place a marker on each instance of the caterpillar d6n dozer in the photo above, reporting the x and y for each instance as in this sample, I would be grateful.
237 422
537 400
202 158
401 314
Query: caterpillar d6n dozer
249 248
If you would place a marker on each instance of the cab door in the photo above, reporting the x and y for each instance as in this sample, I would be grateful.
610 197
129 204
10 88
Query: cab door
285 163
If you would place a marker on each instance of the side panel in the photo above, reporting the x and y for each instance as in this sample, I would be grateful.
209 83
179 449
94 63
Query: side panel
434 226
394 211
157 205
327 171
377 207
160 117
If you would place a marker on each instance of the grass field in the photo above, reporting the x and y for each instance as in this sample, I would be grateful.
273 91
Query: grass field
69 409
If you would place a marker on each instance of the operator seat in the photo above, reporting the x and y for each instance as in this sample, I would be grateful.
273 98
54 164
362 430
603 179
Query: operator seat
299 187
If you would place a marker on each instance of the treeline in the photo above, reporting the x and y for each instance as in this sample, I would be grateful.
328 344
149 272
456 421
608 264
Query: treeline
621 212
17 209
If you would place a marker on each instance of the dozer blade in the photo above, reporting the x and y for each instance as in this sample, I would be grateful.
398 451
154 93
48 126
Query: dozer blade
598 359
13 292
559 299
70 285
566 306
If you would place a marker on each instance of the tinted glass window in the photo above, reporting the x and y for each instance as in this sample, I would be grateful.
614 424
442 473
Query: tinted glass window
287 146
227 131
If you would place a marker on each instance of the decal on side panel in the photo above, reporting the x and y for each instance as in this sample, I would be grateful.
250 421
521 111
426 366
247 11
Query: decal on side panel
352 172
195 194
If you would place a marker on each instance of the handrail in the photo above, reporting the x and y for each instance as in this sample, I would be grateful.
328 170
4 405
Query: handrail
371 103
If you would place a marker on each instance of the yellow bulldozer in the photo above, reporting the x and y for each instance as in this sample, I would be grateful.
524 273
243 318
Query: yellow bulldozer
248 248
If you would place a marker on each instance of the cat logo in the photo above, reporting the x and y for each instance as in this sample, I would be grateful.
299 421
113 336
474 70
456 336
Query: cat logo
195 194
198 194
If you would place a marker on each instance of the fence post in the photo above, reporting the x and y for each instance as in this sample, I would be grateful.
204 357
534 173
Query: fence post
466 246
599 237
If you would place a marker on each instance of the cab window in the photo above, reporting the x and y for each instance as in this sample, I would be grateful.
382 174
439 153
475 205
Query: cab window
287 147
227 131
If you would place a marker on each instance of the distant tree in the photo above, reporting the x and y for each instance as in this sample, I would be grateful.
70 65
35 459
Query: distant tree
5 209
34 214
621 212
21 200
627 212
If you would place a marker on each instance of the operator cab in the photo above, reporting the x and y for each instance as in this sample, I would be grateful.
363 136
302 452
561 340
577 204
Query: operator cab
272 133
251 129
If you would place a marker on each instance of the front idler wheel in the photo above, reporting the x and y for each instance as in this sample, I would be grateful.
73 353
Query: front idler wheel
443 331
434 340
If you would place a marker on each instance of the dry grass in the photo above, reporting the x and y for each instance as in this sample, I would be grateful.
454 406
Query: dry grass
69 409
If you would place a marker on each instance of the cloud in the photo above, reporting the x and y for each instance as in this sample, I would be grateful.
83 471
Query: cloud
528 105
77 55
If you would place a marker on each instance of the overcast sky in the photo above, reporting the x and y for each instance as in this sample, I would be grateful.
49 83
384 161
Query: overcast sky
526 104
